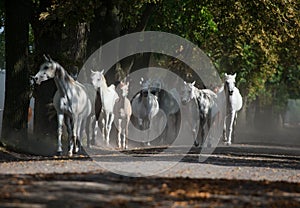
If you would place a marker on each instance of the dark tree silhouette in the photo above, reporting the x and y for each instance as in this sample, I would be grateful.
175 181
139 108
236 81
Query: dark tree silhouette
17 75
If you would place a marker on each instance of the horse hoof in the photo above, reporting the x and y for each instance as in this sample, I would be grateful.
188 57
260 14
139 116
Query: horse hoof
70 154
227 143
77 150
59 153
196 144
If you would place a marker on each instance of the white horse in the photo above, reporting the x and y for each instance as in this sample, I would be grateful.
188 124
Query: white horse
108 97
204 100
144 107
234 103
70 101
122 111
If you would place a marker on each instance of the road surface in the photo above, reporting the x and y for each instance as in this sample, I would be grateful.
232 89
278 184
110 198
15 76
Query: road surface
235 176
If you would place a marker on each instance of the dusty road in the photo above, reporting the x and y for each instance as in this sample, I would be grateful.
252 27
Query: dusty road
236 176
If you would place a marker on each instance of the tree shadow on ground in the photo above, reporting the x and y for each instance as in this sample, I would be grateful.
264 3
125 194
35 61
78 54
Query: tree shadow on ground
111 190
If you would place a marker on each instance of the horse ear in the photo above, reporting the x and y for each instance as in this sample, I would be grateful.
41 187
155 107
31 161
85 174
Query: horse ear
193 83
92 72
234 76
226 74
46 57
142 80
101 72
184 82
50 59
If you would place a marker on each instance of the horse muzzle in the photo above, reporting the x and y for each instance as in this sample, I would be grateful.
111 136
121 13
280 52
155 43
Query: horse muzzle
36 80
184 101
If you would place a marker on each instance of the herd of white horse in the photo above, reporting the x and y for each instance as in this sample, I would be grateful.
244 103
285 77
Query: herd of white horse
78 104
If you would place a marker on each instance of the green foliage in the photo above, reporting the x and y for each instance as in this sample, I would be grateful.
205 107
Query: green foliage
189 19
258 39
71 12
132 12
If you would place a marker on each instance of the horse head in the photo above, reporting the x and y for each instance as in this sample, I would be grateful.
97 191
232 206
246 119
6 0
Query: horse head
47 70
97 78
156 86
188 92
230 83
124 86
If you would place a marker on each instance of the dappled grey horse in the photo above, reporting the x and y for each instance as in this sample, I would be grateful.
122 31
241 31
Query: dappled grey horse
204 100
234 103
70 101
144 107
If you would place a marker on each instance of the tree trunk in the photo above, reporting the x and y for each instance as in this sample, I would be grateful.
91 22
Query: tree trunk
47 37
141 60
17 74
74 44
105 27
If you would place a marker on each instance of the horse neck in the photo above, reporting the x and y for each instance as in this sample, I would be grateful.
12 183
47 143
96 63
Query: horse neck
103 84
62 80
103 88
147 100
121 98
197 94
227 96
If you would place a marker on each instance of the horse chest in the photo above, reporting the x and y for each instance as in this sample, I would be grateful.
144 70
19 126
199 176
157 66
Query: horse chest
204 107
235 101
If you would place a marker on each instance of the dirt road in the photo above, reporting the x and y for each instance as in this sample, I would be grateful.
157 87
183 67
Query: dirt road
236 176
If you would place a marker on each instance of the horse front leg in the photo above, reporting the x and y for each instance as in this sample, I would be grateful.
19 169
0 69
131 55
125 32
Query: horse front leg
225 130
69 126
82 126
126 133
123 136
195 134
202 128
110 119
89 122
119 133
149 128
94 124
73 138
60 119
232 117
103 122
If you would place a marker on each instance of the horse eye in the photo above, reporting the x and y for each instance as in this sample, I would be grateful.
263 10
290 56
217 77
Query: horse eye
46 67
